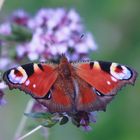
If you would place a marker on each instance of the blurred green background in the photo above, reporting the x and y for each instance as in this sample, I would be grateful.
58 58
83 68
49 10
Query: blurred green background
115 25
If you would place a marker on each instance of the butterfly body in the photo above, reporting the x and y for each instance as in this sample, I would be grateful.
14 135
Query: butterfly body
70 86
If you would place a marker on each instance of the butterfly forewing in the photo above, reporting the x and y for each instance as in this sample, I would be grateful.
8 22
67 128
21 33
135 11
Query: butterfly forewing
35 79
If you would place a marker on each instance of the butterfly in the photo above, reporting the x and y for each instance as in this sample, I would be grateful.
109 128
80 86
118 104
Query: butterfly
71 86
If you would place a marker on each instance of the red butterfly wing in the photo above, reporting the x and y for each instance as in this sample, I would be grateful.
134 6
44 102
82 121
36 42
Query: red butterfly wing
87 98
101 81
60 96
68 86
44 83
106 77
35 79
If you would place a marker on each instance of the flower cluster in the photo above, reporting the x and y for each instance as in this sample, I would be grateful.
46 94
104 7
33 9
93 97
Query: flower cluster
54 31
45 36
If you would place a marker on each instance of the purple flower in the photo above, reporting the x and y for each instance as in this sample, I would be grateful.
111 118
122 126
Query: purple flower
5 62
83 119
5 28
20 17
54 31
2 85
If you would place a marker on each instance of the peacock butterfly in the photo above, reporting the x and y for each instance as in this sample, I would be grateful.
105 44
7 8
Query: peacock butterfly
71 86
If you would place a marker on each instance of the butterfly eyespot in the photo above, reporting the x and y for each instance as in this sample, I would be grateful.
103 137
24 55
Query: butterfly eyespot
17 76
48 96
98 92
118 69
120 72
17 72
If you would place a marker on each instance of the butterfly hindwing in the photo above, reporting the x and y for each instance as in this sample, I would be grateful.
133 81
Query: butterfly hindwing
88 98
35 79
61 96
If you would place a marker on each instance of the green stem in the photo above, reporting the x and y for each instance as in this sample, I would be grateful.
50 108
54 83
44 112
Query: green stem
23 119
29 133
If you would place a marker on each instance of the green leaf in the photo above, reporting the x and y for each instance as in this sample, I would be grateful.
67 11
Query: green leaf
50 123
39 115
21 33
8 37
45 119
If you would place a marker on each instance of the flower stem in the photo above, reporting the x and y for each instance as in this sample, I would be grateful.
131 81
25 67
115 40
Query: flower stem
23 119
29 133
1 3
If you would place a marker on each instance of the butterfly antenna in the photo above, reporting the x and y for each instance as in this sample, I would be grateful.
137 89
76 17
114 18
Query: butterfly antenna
82 36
